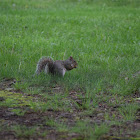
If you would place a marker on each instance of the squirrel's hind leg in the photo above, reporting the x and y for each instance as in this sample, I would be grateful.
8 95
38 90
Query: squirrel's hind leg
62 72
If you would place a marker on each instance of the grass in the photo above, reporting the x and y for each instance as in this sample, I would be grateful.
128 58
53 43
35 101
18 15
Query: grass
102 36
105 47
129 111
23 131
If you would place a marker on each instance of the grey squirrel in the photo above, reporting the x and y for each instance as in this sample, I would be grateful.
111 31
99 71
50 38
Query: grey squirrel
55 67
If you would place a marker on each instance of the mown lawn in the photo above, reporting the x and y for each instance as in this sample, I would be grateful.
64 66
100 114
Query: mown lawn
98 100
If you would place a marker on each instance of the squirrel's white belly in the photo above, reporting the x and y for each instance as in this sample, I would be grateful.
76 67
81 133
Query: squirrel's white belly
64 71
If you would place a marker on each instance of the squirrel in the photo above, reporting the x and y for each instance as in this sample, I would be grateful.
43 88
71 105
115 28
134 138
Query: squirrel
55 67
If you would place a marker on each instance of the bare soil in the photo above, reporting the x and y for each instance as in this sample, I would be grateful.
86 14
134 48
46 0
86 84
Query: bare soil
37 120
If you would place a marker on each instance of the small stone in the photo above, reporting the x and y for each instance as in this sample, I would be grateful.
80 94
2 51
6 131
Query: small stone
9 89
100 115
126 78
14 4
107 121
98 122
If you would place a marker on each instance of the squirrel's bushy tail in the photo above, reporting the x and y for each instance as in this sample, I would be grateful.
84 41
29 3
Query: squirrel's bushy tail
42 64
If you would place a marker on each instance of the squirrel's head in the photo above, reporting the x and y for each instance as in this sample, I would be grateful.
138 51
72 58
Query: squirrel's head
73 62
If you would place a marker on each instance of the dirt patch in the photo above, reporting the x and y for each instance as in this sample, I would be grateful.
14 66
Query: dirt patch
7 83
16 120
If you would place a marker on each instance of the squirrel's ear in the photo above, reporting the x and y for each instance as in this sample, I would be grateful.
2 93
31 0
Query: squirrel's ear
71 57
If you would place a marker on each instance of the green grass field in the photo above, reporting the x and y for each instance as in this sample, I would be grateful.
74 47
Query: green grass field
103 36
